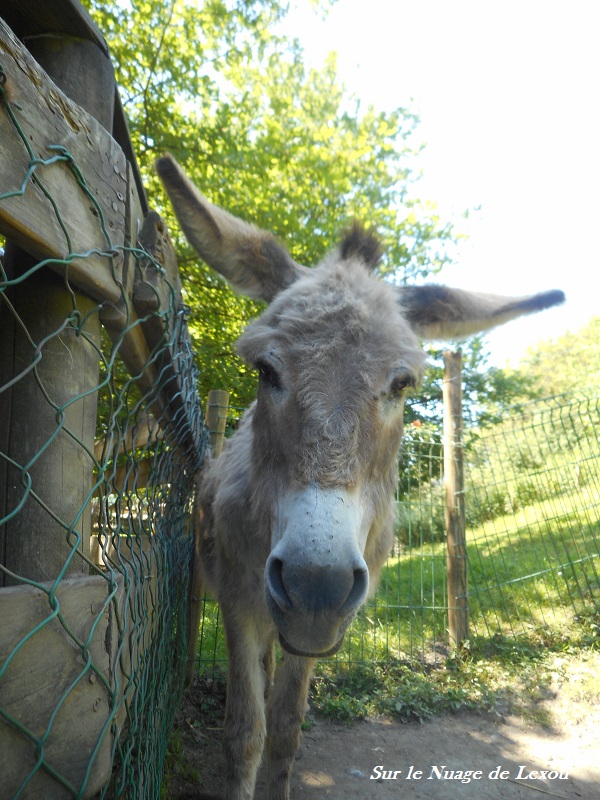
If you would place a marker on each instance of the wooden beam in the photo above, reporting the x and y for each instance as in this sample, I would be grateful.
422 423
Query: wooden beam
49 120
157 291
37 17
54 686
137 436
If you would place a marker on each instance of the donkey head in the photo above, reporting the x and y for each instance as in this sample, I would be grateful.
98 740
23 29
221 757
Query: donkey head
336 351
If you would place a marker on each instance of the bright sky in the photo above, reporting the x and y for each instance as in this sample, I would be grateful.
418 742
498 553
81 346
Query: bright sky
507 93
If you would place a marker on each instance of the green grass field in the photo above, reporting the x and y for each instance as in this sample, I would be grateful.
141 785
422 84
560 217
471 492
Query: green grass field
536 569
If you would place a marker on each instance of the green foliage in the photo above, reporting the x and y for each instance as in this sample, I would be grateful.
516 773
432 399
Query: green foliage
497 675
280 145
570 361
396 689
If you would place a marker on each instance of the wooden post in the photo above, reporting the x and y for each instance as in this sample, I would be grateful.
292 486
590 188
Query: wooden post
458 603
216 418
34 544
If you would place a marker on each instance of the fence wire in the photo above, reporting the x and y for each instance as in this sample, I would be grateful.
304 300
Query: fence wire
532 503
94 576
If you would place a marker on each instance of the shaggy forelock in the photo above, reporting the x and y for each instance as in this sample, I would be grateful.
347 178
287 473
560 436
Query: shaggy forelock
337 305
338 334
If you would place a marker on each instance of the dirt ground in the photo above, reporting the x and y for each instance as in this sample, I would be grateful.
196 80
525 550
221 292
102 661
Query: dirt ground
378 758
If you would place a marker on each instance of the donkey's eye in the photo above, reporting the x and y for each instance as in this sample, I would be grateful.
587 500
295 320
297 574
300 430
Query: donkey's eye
268 375
400 385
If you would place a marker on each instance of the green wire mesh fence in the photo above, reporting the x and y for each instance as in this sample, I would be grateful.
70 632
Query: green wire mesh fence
101 437
532 506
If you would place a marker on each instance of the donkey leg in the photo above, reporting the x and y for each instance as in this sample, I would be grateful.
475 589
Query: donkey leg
244 727
285 713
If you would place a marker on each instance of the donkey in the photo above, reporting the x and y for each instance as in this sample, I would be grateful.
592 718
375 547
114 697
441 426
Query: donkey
297 512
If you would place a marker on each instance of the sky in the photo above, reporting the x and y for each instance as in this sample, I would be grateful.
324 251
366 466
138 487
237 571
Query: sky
507 95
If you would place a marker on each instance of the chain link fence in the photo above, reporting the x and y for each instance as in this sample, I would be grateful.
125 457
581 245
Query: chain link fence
101 438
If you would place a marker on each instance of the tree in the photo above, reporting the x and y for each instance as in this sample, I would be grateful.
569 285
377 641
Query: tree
275 143
569 362
487 391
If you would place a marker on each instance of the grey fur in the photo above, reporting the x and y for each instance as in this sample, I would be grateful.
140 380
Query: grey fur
296 515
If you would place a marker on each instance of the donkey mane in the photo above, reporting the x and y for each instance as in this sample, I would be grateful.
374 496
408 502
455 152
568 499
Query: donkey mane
362 244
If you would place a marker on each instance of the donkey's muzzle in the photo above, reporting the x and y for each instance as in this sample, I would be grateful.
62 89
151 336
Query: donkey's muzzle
316 578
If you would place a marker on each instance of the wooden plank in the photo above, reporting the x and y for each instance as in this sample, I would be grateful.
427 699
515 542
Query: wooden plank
144 430
132 477
121 320
37 17
458 602
152 289
135 354
121 135
153 293
36 545
49 689
48 119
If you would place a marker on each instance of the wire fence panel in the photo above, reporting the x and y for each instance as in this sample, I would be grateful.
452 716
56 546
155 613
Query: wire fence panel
532 505
101 438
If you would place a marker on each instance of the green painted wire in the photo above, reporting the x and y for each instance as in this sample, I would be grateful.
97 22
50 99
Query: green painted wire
144 531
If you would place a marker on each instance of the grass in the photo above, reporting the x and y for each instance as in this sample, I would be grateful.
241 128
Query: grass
534 569
498 675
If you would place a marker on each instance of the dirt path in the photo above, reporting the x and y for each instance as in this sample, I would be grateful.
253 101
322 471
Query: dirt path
433 760
383 759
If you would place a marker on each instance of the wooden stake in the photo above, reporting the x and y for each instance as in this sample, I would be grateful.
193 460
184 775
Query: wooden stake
195 598
458 603
216 418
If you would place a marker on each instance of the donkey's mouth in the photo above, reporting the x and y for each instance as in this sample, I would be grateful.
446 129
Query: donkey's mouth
294 652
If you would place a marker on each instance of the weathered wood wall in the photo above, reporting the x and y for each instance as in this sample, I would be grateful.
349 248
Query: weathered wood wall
62 676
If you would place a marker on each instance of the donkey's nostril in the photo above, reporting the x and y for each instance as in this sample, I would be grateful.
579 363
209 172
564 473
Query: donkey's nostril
358 592
275 585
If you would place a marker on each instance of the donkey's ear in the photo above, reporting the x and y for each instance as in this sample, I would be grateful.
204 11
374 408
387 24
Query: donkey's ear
439 312
251 260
